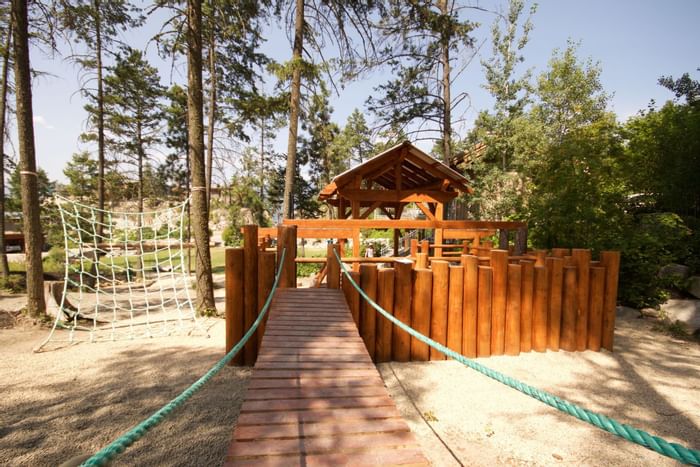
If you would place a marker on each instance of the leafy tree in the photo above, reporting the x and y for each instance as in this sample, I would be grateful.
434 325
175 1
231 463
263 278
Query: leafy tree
195 127
82 174
425 39
684 86
96 24
133 115
36 305
316 25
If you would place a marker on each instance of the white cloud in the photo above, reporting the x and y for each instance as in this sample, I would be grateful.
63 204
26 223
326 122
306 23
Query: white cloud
41 121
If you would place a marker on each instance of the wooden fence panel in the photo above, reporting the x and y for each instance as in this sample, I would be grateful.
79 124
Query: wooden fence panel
250 290
403 287
499 265
385 299
595 308
568 318
540 309
454 309
611 261
483 323
368 315
438 315
420 312
555 267
526 297
234 302
582 260
512 328
469 305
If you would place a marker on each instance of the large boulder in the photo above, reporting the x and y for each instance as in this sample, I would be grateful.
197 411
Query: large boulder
694 286
685 311
675 271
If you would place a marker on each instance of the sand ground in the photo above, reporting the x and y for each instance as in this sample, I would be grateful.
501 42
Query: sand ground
59 404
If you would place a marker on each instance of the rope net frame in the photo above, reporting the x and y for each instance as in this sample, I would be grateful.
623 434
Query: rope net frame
125 275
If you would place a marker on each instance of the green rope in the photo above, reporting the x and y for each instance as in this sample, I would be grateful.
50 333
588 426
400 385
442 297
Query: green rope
107 454
661 446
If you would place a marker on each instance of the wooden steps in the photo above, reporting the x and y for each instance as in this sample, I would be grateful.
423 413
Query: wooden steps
315 398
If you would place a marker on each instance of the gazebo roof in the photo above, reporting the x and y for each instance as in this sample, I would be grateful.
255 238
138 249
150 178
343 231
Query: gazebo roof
401 174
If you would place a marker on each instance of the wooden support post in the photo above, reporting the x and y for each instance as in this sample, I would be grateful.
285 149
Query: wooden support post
425 247
385 299
560 252
521 241
250 267
555 267
355 245
568 318
499 265
234 301
539 309
368 315
512 328
582 260
420 312
438 316
541 256
414 247
439 233
610 260
483 348
595 308
332 266
454 309
287 240
354 301
503 239
526 298
397 239
422 261
469 305
400 340
266 277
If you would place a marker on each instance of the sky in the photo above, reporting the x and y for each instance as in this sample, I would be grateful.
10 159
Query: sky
634 41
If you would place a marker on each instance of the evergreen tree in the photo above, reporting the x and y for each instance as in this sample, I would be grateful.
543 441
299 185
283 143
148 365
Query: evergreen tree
425 39
5 44
82 174
175 171
133 115
355 139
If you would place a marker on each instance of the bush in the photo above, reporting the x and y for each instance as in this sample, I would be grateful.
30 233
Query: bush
650 242
306 269
15 283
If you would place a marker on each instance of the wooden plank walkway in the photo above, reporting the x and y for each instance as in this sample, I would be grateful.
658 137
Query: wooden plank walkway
315 397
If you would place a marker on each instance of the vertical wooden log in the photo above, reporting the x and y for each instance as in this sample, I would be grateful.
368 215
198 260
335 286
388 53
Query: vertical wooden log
454 309
250 267
332 267
569 261
526 296
499 265
425 247
414 247
385 299
368 315
355 237
266 277
555 266
611 261
595 308
403 288
422 261
354 302
287 240
420 312
235 303
483 348
521 241
539 309
568 318
469 305
503 239
438 316
512 328
439 233
397 241
582 260
560 252
541 255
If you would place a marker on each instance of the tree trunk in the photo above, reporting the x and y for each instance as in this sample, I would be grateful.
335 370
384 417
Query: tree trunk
100 120
212 116
140 157
447 114
195 128
288 202
4 267
27 162
261 214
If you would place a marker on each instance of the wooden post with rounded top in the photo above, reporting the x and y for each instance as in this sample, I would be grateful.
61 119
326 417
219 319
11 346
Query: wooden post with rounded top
287 240
234 301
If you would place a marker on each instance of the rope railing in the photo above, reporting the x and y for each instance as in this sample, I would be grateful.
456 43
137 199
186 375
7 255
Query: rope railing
118 446
673 450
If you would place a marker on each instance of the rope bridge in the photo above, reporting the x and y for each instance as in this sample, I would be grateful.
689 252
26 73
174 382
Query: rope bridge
673 450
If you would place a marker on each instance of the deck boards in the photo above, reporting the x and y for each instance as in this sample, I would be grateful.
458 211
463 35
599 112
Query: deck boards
315 398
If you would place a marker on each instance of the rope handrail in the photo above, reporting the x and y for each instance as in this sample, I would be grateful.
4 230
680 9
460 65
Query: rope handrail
673 450
108 453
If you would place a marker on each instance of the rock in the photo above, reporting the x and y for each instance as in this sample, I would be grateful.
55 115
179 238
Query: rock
685 311
694 286
674 271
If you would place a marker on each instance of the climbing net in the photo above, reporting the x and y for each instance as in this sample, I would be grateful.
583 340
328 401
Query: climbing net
125 275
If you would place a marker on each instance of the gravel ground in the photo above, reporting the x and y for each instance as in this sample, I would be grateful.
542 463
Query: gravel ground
63 403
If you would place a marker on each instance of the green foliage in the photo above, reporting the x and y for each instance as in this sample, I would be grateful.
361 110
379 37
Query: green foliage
307 269
81 172
649 242
14 283
174 171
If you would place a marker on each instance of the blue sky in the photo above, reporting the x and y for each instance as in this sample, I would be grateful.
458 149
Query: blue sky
635 42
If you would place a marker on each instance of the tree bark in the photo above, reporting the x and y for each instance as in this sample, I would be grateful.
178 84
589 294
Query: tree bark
140 157
4 267
100 120
27 162
447 114
195 115
288 202
212 115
